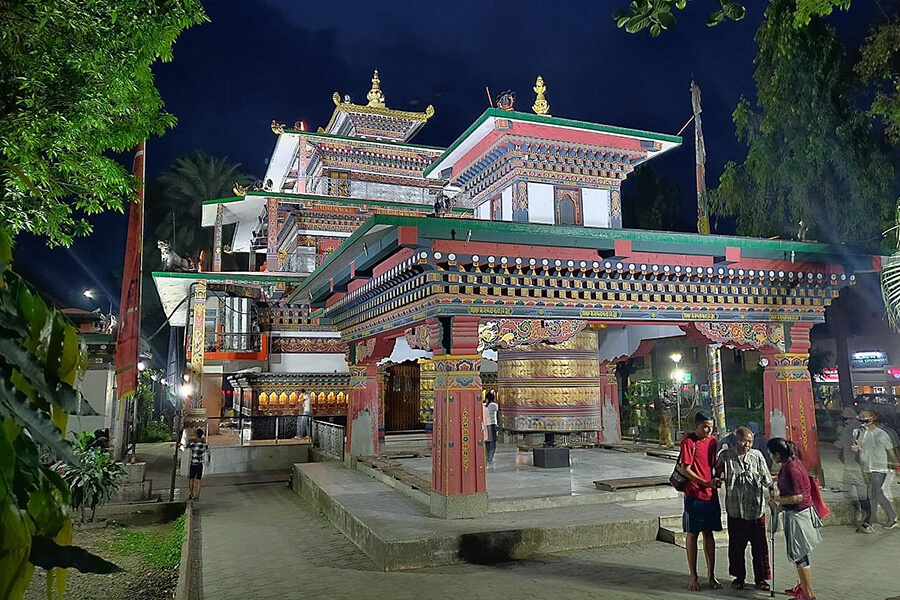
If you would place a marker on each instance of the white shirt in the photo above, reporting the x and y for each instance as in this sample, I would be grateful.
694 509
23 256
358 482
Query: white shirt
491 410
307 405
874 445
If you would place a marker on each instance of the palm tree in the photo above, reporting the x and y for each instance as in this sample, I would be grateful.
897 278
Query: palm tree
186 185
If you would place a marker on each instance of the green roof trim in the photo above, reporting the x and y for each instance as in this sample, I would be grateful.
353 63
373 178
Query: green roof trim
333 200
263 276
224 200
362 140
560 122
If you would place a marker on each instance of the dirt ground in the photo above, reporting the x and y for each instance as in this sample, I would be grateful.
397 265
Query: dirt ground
138 581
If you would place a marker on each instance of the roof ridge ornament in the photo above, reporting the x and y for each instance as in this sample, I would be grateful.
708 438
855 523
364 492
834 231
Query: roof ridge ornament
375 95
540 106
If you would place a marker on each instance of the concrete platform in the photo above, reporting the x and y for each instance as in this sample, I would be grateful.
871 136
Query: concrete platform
398 533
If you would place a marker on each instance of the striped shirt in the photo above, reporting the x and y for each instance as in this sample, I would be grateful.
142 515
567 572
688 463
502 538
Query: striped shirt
198 449
747 483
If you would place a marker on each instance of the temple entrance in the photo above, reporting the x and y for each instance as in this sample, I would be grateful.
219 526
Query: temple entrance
401 398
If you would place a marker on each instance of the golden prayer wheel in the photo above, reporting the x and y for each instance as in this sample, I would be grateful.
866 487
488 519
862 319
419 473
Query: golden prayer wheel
551 387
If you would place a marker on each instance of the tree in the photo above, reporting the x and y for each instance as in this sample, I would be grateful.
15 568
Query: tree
650 201
41 365
656 15
75 84
812 155
189 182
879 65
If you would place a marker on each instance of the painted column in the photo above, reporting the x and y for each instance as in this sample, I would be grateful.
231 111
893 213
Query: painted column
611 421
363 408
615 209
217 240
787 391
272 235
426 396
198 345
458 482
716 390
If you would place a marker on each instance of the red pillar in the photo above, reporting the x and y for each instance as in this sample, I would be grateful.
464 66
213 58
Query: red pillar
458 459
787 391
363 410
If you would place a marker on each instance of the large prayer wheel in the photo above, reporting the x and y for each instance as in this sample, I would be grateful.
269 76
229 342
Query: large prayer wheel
551 387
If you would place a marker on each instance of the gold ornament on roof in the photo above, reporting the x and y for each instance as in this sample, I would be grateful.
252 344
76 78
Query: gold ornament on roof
277 128
375 95
541 106
239 190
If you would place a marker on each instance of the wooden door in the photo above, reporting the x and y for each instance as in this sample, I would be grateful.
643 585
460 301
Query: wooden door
401 399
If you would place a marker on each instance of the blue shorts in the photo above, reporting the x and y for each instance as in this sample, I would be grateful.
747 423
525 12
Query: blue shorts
701 515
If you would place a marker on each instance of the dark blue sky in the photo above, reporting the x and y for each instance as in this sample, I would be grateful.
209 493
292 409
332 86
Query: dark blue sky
281 59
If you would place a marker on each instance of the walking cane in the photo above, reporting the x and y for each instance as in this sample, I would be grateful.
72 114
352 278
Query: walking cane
772 554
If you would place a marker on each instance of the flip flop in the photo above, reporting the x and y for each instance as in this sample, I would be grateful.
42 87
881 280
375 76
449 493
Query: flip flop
763 585
737 584
715 585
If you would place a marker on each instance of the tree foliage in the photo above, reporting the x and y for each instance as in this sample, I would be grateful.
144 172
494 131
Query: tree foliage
657 15
41 365
812 155
879 66
650 201
75 84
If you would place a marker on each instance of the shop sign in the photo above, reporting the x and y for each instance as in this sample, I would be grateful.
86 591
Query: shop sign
828 375
868 360
893 373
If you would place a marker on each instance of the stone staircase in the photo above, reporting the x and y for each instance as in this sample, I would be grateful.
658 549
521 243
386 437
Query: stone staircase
670 531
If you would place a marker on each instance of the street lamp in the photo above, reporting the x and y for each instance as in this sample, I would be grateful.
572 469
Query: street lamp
93 296
677 376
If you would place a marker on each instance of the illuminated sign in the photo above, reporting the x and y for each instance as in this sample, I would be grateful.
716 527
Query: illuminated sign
868 360
828 375
893 372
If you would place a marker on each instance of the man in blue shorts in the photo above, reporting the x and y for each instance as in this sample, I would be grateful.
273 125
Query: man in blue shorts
702 513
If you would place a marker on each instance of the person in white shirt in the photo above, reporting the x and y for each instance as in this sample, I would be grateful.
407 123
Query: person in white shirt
307 412
490 425
875 447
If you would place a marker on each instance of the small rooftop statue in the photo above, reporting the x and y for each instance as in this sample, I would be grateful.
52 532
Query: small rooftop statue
375 95
541 106
506 100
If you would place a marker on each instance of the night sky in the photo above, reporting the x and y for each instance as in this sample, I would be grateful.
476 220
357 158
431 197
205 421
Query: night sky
281 59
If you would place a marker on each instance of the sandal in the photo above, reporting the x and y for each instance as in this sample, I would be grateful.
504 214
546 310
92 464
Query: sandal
794 590
762 585
737 584
715 585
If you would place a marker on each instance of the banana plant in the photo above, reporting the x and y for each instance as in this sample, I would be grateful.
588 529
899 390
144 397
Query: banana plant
41 365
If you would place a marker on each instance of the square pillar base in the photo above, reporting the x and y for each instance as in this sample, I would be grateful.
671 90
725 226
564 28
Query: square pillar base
460 506
551 458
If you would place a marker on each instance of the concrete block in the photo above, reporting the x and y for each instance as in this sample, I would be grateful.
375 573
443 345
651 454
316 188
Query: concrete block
135 472
134 492
461 506
551 458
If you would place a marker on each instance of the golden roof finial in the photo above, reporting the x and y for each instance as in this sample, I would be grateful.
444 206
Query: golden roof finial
541 106
375 95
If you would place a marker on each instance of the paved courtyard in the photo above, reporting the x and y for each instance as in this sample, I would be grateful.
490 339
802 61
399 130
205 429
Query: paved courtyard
261 541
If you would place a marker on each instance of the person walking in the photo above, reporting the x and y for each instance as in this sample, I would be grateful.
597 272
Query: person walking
702 512
491 408
875 447
748 482
307 412
199 448
801 523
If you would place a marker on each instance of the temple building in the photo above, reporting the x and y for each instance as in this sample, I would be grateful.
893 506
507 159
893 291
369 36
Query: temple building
396 282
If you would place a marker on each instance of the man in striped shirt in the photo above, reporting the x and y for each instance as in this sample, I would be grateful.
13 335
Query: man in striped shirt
747 480
199 448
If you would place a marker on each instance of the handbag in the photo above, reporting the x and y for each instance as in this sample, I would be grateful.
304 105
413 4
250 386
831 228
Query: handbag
677 479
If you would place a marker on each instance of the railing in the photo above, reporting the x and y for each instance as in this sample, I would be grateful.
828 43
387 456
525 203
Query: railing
328 438
242 430
234 342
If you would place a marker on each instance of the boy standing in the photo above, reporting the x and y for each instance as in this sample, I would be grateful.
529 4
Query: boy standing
490 420
198 449
747 484
702 514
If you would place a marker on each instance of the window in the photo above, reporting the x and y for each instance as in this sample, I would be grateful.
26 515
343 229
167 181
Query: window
338 183
566 211
567 205
496 209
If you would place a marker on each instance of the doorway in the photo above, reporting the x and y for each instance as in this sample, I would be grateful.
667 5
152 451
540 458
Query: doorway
401 398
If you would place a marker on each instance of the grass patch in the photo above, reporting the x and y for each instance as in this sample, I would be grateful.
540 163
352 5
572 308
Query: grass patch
156 549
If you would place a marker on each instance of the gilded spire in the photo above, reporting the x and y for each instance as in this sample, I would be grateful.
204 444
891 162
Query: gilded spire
541 106
375 95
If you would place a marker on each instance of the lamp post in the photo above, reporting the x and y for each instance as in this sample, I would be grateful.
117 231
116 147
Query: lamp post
676 377
93 296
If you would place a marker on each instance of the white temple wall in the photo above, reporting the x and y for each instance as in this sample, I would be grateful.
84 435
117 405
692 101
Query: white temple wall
595 207
540 203
483 211
506 202
307 363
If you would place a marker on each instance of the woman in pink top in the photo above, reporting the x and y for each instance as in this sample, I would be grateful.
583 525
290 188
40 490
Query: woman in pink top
801 523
